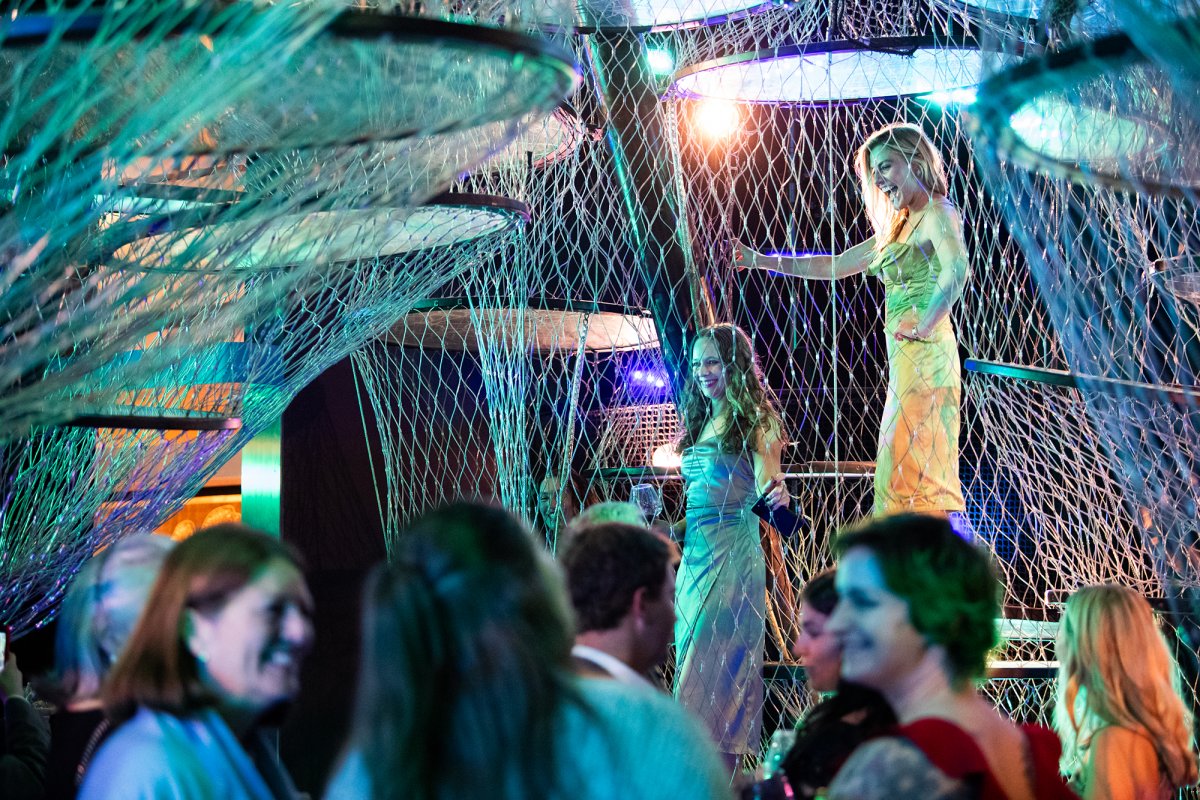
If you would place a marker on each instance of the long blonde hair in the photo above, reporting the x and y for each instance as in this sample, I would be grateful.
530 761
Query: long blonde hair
1111 651
910 143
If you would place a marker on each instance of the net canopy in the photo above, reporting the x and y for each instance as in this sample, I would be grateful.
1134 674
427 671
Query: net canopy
72 489
243 116
1107 221
499 387
185 252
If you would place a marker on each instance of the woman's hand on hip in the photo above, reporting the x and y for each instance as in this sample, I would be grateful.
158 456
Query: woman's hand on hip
909 329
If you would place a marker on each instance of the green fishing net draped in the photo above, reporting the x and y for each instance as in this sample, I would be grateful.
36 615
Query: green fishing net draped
186 252
1092 146
528 340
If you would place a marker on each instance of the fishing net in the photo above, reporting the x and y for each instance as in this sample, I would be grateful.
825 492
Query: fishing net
184 253
70 490
1102 198
256 115
548 380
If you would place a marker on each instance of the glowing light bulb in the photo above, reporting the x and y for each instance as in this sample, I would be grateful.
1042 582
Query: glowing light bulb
717 119
963 96
665 456
660 60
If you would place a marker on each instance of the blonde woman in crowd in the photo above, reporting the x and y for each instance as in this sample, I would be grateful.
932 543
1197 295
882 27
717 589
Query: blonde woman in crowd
1125 731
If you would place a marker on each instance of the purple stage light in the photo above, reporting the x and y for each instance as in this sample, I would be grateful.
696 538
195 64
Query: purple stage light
648 379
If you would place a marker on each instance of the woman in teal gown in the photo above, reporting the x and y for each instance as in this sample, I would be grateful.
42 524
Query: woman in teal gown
731 449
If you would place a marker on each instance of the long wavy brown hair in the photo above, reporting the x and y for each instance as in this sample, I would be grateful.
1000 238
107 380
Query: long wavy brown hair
753 409
466 663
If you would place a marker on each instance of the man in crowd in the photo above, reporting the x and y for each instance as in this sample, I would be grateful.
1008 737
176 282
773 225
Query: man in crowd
621 579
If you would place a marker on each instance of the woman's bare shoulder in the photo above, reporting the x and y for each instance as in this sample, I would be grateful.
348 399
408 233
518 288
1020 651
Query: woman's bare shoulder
1119 760
942 212
1126 743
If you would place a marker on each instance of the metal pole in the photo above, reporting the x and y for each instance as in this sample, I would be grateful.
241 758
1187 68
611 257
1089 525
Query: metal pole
636 134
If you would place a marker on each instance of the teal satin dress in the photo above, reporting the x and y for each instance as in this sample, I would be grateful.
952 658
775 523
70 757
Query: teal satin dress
720 599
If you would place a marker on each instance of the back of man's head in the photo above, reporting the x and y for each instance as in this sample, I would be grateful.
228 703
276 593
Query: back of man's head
605 565
607 512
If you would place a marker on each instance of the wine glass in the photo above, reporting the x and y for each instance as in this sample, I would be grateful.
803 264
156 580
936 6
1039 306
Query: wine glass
648 498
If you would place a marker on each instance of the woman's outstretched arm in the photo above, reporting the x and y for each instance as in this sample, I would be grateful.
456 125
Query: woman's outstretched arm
842 265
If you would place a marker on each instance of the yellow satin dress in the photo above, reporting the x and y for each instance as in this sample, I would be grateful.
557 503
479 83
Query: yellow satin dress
916 464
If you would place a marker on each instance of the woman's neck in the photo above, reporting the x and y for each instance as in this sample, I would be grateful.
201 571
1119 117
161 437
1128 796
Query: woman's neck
919 203
718 410
924 692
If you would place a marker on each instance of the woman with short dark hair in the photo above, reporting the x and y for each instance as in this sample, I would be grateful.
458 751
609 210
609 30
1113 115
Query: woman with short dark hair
916 616
848 715
214 658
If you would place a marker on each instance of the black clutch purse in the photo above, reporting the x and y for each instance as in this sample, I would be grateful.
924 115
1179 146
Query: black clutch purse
786 520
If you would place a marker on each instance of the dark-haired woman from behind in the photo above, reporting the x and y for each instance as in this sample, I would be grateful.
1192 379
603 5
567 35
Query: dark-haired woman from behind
466 687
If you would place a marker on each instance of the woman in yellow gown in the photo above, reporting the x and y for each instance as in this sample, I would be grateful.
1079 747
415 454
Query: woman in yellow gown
918 252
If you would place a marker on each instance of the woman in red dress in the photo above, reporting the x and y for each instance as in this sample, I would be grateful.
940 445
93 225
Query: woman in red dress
916 616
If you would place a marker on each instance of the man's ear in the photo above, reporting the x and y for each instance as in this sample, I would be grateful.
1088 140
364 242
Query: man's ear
637 605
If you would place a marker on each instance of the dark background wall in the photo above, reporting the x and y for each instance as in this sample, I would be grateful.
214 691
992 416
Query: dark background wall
328 511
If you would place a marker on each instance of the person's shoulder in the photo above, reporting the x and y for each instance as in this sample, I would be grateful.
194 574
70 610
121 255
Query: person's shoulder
942 212
1121 760
771 425
890 767
656 742
143 757
146 728
19 711
612 697
943 205
132 762
1042 741
350 779
1123 744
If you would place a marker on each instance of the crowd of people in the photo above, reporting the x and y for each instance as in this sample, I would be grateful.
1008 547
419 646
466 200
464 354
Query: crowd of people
490 669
